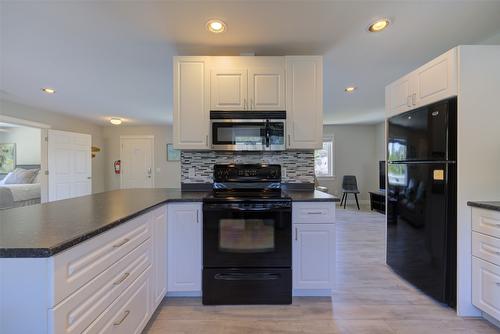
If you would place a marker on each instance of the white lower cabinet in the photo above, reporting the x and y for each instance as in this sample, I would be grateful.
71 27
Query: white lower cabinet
129 313
159 236
184 248
486 261
486 287
313 247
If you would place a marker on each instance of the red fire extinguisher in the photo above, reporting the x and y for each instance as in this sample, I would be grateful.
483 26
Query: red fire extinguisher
117 166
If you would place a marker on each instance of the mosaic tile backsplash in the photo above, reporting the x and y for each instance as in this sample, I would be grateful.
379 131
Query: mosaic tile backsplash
297 166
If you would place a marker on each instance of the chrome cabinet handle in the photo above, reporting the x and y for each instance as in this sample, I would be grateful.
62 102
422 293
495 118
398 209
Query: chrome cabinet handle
197 216
124 277
125 315
408 101
296 234
315 213
123 242
206 140
414 98
289 141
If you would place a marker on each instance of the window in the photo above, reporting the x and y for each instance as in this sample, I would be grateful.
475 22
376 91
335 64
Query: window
397 173
323 159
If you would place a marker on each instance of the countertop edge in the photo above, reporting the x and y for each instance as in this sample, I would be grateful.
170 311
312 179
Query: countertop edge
494 206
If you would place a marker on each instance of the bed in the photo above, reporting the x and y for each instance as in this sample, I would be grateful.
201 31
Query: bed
19 195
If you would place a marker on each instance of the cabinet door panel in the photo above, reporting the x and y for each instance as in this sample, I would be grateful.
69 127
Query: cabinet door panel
228 89
436 80
191 102
400 95
184 233
266 89
304 94
313 256
486 287
159 232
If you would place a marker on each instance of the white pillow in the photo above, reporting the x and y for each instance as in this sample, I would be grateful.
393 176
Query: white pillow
38 177
2 181
21 176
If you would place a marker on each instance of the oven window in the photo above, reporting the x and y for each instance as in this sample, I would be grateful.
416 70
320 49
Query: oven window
246 235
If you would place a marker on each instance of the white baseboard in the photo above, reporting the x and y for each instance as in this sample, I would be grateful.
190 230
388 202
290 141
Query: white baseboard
312 293
184 294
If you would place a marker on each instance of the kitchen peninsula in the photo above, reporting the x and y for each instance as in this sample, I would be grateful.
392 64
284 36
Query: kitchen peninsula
100 261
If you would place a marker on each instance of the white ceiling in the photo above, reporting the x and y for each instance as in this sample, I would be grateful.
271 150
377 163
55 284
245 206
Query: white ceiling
114 58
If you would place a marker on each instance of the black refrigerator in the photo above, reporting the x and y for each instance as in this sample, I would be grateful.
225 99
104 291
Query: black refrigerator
422 179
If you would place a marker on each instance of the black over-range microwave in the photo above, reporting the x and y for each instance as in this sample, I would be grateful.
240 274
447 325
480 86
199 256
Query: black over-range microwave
248 130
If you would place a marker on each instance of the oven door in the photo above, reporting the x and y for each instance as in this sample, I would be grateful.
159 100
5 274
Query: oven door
247 235
248 135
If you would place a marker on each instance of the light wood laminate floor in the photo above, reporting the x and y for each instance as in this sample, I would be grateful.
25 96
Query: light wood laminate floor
368 298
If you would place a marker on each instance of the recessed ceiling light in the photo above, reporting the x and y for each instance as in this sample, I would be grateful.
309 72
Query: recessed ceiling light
49 90
378 25
216 26
116 121
350 89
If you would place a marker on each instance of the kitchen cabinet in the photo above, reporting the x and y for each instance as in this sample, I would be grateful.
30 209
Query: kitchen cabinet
184 260
251 88
304 102
313 248
486 261
266 88
159 238
228 89
432 82
191 95
313 256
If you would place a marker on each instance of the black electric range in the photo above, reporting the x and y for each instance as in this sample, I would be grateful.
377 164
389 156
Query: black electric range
247 237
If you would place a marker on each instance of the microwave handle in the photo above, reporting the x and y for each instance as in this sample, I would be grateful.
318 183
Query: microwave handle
268 133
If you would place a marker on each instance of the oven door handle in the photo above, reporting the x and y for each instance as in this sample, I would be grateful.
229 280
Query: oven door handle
247 277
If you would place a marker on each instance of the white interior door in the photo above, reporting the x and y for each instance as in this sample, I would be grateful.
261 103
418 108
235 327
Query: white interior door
69 164
137 162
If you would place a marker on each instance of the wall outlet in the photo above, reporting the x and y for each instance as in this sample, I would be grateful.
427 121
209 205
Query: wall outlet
192 172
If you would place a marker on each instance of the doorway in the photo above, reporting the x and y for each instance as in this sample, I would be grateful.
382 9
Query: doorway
137 162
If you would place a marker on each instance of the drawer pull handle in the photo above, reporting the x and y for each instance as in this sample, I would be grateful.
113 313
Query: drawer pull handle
315 213
125 315
491 250
491 224
124 277
123 242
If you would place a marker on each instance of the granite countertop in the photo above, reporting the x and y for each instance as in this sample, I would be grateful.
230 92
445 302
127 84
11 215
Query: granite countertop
491 205
311 196
46 229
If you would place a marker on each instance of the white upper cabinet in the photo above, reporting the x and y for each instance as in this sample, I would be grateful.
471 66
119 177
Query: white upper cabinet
304 102
266 88
400 95
228 89
432 82
436 80
250 87
191 103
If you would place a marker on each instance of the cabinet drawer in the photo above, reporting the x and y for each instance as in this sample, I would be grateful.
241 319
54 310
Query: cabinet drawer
486 287
313 213
78 265
79 310
486 248
130 313
486 222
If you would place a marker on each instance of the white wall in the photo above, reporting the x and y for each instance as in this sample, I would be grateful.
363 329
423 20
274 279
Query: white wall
28 145
357 152
168 173
59 121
